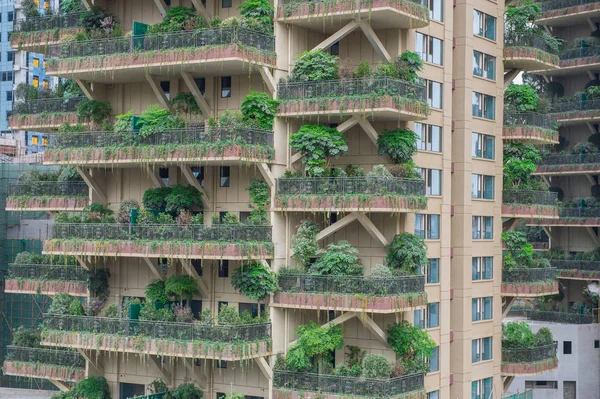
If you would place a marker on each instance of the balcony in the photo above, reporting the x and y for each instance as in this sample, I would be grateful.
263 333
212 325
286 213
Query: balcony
568 12
189 340
568 164
203 52
35 34
518 362
529 52
576 112
231 242
350 294
191 145
571 217
45 115
528 283
49 364
530 127
349 194
328 17
575 269
525 204
47 280
48 196
292 385
378 98
557 317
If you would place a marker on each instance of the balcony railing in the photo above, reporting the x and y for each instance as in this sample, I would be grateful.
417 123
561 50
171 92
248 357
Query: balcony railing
349 186
576 264
188 135
570 159
48 272
391 286
49 22
105 231
544 121
528 355
526 197
368 87
579 213
526 275
44 105
164 41
46 356
573 106
350 386
559 317
158 329
363 3
527 39
549 5
49 188
522 395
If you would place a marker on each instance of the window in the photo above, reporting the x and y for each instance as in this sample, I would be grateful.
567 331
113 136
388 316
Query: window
596 344
226 87
433 395
434 361
434 94
484 106
226 3
484 25
436 9
36 81
10 16
430 137
335 48
483 268
46 84
433 181
166 88
127 390
483 146
429 48
7 76
9 95
481 308
46 4
481 389
198 172
482 349
484 65
224 268
221 364
35 140
201 84
225 173
427 226
45 140
483 228
10 56
45 64
419 318
433 315
482 186
567 348
36 62
432 271
252 308
541 384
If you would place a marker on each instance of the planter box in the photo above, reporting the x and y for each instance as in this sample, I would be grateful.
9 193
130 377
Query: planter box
568 169
41 121
75 288
531 134
279 393
23 40
348 203
580 274
592 222
533 289
528 211
529 58
524 369
349 302
46 204
569 11
148 346
45 371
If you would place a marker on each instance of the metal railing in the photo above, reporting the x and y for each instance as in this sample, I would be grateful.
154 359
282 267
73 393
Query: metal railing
390 286
543 121
49 188
188 135
570 159
549 5
558 317
580 52
522 395
575 264
198 232
578 212
528 355
371 87
46 356
43 105
527 39
349 185
158 329
48 272
575 105
49 22
346 385
527 275
161 395
363 3
527 197
164 41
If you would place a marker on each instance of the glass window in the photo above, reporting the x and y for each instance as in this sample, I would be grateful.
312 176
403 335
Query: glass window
489 67
487 308
481 308
482 186
434 94
419 318
481 349
483 268
10 56
484 106
226 86
335 49
225 176
436 9
484 25
9 96
433 395
433 271
11 16
481 389
201 85
482 146
224 268
477 23
477 63
477 105
36 81
433 232
226 3
483 227
433 319
420 225
429 48
430 137
36 62
46 84
35 140
434 361
421 45
433 181
490 27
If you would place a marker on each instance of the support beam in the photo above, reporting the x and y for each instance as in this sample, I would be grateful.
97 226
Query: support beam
86 88
373 327
591 180
82 262
158 91
591 127
338 320
268 78
547 231
507 382
162 7
154 269
166 375
340 224
369 129
92 363
264 263
590 74
198 376
264 367
200 100
591 24
593 236
374 40
187 266
546 180
60 385
372 229
507 304
509 76
296 157
267 175
154 175
91 182
349 123
509 224
337 36
201 10
87 4
186 170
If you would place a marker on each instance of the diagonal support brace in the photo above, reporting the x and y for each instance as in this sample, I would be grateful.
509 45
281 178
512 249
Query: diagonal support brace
266 174
91 182
340 224
201 10
337 36
154 269
162 7
372 229
187 266
200 100
268 78
160 94
186 170
374 40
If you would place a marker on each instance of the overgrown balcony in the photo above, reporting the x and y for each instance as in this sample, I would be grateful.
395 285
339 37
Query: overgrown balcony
195 241
217 51
572 217
576 269
45 114
48 196
47 280
331 16
350 294
382 98
527 204
369 194
142 337
568 164
530 127
43 363
35 34
568 12
529 282
293 385
558 317
576 111
194 144
529 361
529 52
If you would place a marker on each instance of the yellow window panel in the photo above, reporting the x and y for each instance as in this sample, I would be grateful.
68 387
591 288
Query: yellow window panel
36 81
35 140
36 62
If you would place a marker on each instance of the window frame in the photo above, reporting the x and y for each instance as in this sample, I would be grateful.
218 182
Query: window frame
479 268
426 133
426 232
480 183
483 20
484 60
428 269
226 87
478 352
478 309
431 322
480 232
480 143
431 84
428 45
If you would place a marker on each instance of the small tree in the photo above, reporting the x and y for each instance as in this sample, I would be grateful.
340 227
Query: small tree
399 144
521 98
255 281
519 163
318 144
517 334
519 252
412 344
259 109
315 65
407 252
182 287
155 291
339 260
304 243
313 346
26 337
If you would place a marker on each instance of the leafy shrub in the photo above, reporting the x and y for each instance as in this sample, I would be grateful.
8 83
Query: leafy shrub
376 366
69 173
178 19
584 148
255 281
544 337
93 110
98 282
314 345
304 243
363 70
92 388
150 313
519 252
228 316
181 286
412 344
124 122
409 64
315 65
398 144
379 171
185 391
517 334
407 252
26 337
521 98
520 162
125 207
76 309
61 304
258 108
172 199
112 311
404 171
183 314
317 144
339 260
185 103
155 291
154 119
380 271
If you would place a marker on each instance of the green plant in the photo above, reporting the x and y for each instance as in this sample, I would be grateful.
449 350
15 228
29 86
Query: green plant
93 110
26 337
362 71
186 390
406 170
258 108
125 207
339 260
150 313
521 98
315 65
519 252
234 395
519 164
407 252
355 355
172 199
76 308
412 344
69 173
380 271
314 345
112 311
304 243
544 337
124 122
98 282
409 64
255 281
228 316
155 119
376 366
317 144
61 304
155 291
178 19
517 334
181 286
158 386
185 103
399 144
